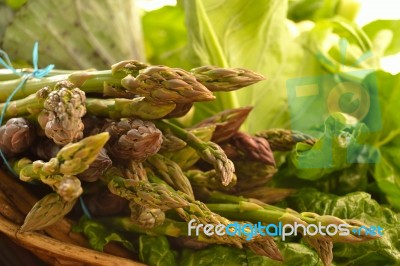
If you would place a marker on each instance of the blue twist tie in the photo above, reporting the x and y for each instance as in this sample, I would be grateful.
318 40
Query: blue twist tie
36 73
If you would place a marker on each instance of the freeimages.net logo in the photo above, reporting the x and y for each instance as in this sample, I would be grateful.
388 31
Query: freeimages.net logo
312 100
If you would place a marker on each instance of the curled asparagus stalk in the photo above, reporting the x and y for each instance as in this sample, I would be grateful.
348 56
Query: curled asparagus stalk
16 136
208 151
284 140
227 123
225 79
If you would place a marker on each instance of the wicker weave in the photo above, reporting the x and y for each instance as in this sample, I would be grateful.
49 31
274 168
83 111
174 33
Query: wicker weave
56 244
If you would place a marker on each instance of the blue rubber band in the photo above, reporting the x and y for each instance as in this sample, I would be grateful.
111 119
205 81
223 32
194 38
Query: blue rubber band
84 208
37 73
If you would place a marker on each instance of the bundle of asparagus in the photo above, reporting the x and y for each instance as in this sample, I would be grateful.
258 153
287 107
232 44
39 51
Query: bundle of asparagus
111 136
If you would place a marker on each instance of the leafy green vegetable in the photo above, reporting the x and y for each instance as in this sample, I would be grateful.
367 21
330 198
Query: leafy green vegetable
358 205
155 251
342 47
277 51
387 170
99 235
341 145
255 37
294 254
385 34
15 4
338 182
164 34
319 9
76 35
214 255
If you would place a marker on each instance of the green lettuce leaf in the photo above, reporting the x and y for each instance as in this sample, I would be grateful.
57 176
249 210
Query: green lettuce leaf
385 34
256 36
99 235
387 170
76 35
165 35
341 145
319 9
277 49
352 179
360 206
342 47
294 254
155 251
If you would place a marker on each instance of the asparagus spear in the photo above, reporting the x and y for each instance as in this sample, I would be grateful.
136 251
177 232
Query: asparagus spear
163 84
252 174
253 147
227 123
186 157
283 139
171 173
225 79
208 179
97 168
323 248
59 172
16 136
146 217
159 195
171 143
65 106
273 215
111 108
208 151
47 211
45 149
155 82
133 139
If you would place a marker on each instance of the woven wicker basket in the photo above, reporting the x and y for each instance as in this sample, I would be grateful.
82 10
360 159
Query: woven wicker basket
56 244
